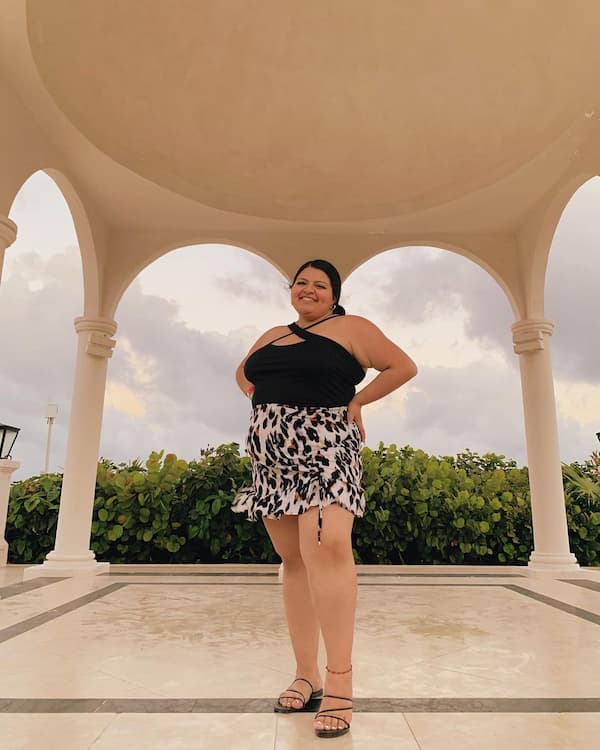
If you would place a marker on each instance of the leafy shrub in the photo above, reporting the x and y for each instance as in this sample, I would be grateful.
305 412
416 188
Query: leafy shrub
32 517
582 496
423 509
214 532
464 509
133 510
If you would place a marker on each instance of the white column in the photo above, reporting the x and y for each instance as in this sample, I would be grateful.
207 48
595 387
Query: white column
551 554
8 234
7 467
71 554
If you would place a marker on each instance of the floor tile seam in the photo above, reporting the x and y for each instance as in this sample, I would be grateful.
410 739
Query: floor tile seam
265 705
583 583
571 609
582 598
119 678
276 583
25 587
101 732
25 626
412 731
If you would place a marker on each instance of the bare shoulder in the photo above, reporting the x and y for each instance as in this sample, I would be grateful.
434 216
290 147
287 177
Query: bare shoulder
359 325
269 336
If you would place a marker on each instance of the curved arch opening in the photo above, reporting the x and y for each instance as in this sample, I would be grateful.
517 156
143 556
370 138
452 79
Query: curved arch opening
185 322
572 289
462 253
46 182
41 294
451 316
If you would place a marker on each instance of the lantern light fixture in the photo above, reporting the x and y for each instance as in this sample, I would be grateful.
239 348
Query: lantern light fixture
8 435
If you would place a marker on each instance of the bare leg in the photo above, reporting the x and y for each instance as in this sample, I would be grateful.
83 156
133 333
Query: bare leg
302 621
332 579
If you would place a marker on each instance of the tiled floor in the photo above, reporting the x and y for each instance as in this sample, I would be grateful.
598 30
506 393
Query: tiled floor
193 656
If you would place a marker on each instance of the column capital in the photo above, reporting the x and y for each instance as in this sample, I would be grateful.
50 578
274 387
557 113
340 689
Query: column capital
99 330
529 334
8 232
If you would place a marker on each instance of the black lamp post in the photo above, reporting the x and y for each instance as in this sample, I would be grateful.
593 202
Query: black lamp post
8 435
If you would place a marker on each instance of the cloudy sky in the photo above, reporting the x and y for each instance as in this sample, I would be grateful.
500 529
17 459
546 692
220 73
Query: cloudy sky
189 318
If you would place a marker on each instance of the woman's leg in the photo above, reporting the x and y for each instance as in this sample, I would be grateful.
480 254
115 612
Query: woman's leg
332 580
303 624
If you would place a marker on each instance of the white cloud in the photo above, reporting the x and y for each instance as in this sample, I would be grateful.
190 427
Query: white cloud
124 400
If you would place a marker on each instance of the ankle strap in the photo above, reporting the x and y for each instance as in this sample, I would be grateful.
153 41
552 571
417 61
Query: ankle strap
332 671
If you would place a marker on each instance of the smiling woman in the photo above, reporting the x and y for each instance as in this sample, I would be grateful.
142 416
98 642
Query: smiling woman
304 442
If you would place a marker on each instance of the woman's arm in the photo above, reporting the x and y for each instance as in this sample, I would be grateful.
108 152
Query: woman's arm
373 349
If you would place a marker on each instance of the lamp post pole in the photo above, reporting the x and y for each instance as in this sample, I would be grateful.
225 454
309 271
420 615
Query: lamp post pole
51 412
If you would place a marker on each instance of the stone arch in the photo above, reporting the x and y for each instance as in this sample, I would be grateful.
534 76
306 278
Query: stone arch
157 248
86 236
458 248
537 236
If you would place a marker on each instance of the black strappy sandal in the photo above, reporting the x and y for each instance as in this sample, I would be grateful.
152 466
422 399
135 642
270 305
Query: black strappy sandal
329 711
310 704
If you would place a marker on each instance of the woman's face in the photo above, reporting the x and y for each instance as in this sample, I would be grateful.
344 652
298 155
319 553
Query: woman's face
312 296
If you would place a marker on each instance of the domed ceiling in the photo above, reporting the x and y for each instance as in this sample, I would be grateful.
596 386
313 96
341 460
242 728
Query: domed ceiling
320 110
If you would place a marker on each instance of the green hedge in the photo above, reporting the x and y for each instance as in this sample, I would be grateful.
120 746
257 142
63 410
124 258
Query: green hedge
420 509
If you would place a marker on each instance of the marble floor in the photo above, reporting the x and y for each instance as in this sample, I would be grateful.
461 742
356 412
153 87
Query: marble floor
177 657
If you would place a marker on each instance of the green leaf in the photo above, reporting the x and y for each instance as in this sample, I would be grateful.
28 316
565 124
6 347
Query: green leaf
103 514
459 523
114 533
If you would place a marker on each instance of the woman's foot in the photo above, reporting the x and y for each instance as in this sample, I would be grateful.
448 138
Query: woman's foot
301 695
337 702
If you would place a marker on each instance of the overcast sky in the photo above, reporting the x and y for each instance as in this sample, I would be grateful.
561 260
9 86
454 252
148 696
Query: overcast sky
188 320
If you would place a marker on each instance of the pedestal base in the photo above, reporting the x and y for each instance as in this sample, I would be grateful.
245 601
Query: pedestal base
3 553
66 566
551 564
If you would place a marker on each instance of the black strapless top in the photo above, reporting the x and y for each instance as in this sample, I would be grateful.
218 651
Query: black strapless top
314 372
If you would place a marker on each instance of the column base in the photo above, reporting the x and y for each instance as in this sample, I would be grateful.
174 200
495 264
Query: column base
57 565
552 564
3 553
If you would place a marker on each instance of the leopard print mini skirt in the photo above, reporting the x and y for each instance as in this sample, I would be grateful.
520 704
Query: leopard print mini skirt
302 457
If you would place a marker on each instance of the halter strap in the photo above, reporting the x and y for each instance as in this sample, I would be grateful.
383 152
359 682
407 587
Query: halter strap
299 331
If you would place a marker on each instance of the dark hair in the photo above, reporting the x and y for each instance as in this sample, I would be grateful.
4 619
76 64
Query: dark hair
333 276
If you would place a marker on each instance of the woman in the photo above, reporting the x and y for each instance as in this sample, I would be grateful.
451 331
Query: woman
304 442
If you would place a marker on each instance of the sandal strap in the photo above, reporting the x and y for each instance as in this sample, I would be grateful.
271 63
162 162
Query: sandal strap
301 679
328 711
302 698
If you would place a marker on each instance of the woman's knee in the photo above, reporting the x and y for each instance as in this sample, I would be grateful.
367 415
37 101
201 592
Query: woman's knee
285 540
330 545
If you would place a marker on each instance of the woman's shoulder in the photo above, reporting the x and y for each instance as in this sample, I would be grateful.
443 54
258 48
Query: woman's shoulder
270 335
275 331
357 323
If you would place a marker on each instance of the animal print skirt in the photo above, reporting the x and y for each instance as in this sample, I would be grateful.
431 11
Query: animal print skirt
302 457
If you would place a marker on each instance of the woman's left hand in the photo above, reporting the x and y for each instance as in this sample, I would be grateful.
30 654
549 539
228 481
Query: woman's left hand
355 415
